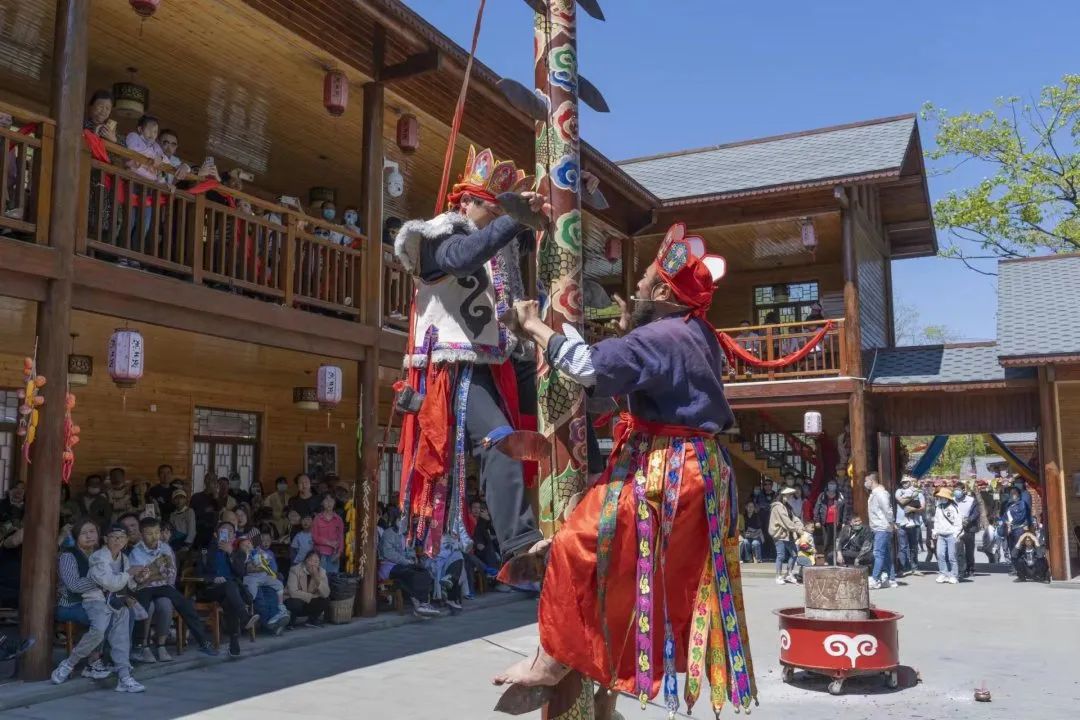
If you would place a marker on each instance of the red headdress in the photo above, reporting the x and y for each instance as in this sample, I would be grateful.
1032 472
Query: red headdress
485 177
688 270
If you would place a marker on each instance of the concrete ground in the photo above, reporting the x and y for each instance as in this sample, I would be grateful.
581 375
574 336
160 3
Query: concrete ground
1020 639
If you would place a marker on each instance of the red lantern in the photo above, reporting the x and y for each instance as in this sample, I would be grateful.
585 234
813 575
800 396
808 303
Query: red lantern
408 133
144 8
335 96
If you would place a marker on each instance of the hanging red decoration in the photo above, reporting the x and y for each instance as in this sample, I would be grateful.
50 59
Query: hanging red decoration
144 8
408 133
335 92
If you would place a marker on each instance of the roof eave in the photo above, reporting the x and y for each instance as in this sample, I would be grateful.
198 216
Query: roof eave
1036 360
953 386
874 176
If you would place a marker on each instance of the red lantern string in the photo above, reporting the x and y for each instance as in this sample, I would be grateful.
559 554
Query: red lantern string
732 349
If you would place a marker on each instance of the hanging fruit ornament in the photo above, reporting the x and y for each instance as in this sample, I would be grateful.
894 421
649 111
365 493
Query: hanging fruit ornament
31 401
71 439
350 538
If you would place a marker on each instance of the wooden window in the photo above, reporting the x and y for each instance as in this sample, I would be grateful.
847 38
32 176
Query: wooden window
225 441
9 445
790 301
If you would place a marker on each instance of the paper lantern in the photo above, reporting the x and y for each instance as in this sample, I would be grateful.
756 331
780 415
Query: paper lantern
304 398
809 236
335 92
328 386
812 423
144 8
130 99
408 133
80 368
126 357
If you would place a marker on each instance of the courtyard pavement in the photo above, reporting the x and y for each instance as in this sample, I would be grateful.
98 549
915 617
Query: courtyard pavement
1022 640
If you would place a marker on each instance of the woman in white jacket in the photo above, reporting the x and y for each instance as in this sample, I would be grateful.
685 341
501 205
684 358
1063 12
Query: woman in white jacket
947 526
109 572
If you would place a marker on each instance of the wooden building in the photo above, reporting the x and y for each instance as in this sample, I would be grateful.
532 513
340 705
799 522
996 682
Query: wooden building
238 309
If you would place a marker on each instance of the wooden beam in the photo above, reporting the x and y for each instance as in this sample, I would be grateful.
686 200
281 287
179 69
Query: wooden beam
1057 545
37 595
911 226
20 285
793 389
371 193
412 66
629 268
29 259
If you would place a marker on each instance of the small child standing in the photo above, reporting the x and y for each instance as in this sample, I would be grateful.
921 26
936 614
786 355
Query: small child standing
807 554
302 543
261 570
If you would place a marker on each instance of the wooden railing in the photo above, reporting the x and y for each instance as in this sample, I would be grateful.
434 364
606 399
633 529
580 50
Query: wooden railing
223 238
771 342
397 287
25 174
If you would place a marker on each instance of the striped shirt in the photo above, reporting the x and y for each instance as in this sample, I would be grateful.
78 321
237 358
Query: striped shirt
72 586
570 355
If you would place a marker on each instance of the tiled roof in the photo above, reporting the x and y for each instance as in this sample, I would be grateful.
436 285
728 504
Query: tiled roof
1037 302
1017 438
941 365
875 147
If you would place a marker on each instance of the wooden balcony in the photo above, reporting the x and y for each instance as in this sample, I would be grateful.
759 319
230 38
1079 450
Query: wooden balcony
25 175
770 342
397 288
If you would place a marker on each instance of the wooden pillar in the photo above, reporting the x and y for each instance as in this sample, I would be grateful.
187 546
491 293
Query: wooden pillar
371 192
37 583
859 450
1053 490
629 268
853 336
367 512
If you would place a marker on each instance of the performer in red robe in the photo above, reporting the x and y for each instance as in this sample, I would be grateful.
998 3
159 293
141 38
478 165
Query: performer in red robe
643 580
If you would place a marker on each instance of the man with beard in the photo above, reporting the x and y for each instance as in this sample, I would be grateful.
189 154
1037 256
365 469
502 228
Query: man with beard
651 550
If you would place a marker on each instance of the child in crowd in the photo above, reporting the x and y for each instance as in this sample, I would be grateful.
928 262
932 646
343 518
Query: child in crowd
302 543
804 544
261 569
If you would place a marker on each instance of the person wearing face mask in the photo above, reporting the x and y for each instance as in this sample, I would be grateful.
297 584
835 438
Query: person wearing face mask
831 511
1017 517
784 527
855 545
947 526
879 508
351 218
752 533
909 512
970 518
94 502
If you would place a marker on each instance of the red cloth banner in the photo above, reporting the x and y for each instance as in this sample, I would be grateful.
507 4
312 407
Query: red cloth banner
732 349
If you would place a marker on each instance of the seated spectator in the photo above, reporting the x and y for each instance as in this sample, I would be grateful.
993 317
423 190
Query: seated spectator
260 570
158 596
856 544
88 580
753 535
13 505
483 536
204 504
307 592
11 539
391 226
401 566
328 533
94 502
225 499
446 570
257 501
141 503
222 568
130 522
293 519
119 491
161 493
183 522
243 520
1029 560
242 496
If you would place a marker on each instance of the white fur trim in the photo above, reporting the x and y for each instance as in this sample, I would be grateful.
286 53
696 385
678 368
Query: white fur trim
407 242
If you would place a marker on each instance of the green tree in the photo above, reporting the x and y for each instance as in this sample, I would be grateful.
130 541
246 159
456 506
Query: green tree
1028 204
910 330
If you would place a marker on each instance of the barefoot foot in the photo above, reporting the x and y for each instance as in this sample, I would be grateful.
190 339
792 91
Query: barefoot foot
540 669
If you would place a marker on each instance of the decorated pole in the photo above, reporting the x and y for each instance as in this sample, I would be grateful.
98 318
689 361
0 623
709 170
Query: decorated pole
560 262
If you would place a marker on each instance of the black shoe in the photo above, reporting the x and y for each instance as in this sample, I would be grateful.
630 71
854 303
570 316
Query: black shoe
234 646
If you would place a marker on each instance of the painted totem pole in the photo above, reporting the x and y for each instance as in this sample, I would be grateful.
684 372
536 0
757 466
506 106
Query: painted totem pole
560 263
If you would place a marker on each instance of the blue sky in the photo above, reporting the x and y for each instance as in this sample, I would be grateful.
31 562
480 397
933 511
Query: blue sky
686 73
